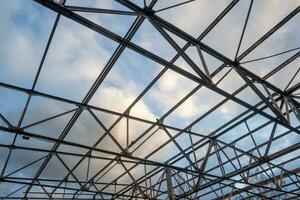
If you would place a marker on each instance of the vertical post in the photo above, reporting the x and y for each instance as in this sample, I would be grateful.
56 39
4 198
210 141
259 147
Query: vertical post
127 131
88 167
169 184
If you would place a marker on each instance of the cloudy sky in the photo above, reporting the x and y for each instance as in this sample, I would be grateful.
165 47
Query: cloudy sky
77 56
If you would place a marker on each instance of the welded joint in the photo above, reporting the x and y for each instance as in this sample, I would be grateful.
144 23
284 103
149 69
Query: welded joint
213 139
263 159
160 123
89 154
16 129
148 12
118 160
12 147
84 188
31 92
127 113
53 154
127 153
83 107
189 129
65 179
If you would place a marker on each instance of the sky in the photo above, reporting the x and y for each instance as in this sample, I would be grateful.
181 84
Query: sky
77 56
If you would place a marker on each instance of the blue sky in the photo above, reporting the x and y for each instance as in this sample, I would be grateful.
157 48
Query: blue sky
77 56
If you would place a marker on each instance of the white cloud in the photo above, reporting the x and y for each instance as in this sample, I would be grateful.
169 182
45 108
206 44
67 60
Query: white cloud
21 49
171 88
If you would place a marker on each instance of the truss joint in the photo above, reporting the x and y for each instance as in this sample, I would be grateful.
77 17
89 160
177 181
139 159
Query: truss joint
83 107
148 11
31 92
84 188
16 129
127 153
160 123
